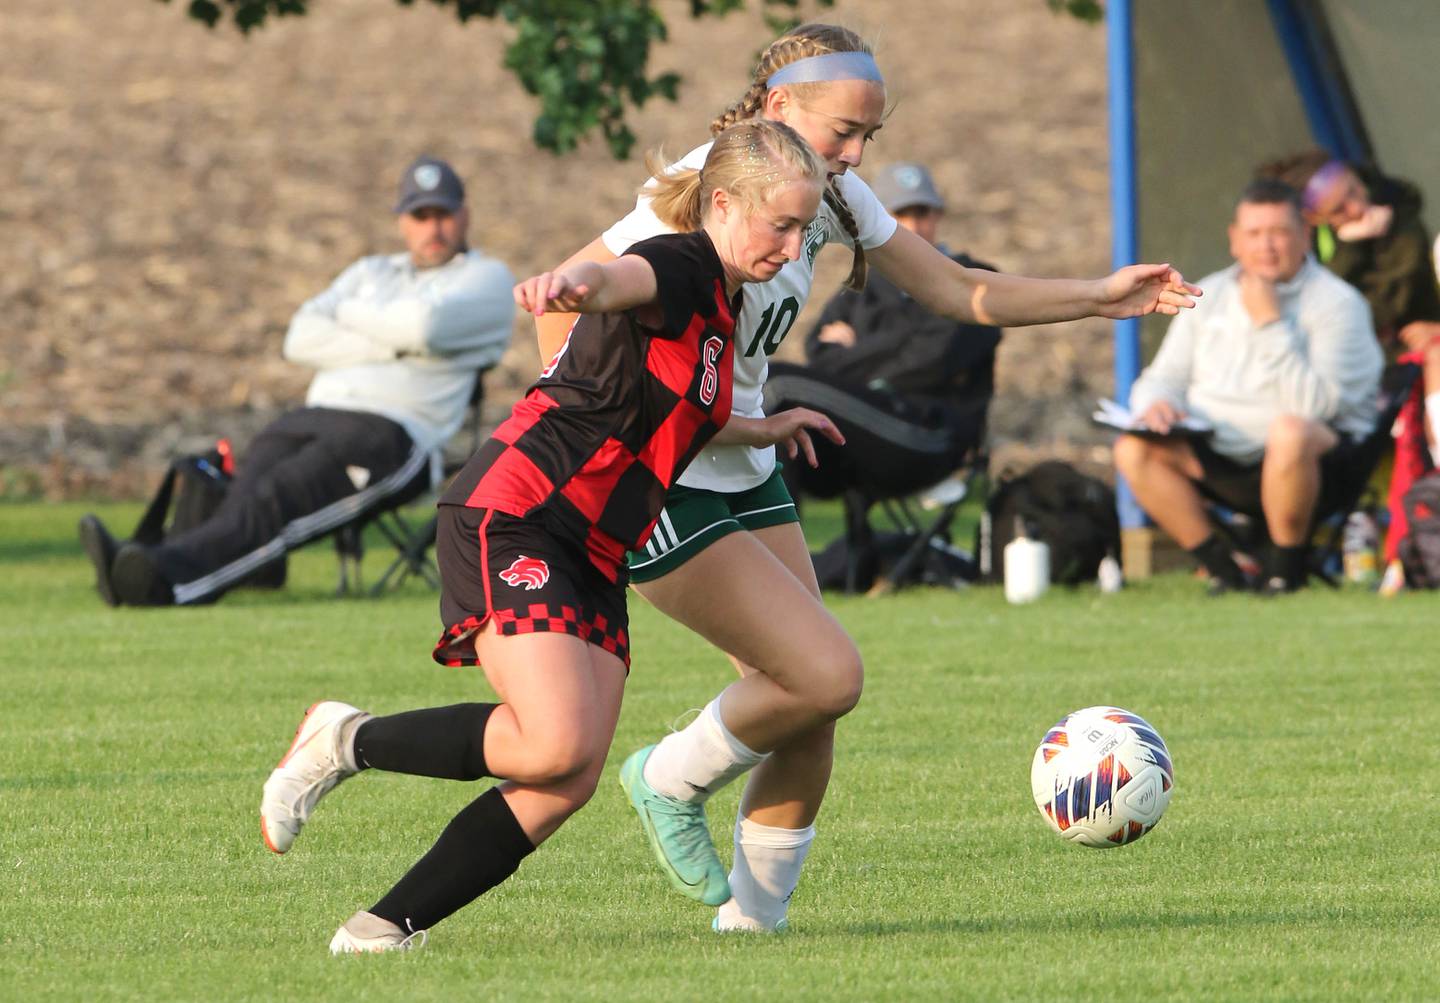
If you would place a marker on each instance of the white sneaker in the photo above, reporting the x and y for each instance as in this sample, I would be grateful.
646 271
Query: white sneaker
309 770
366 933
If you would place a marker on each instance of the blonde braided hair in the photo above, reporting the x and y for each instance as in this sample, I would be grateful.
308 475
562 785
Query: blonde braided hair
813 39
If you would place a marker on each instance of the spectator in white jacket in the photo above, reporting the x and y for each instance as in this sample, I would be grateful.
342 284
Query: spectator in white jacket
1280 358
398 342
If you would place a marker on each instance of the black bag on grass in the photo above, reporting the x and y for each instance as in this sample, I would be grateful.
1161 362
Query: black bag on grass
1420 549
190 492
193 486
1072 513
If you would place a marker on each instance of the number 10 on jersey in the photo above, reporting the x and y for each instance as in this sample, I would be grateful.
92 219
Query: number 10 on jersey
774 325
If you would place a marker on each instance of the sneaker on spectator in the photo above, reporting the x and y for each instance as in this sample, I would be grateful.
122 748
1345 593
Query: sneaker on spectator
101 548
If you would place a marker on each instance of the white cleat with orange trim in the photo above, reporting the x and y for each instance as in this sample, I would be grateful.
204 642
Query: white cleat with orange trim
366 933
314 764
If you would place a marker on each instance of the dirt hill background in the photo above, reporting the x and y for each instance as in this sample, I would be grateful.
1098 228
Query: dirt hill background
170 195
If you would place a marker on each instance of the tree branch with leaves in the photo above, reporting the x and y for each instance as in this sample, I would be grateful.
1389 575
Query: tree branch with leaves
586 60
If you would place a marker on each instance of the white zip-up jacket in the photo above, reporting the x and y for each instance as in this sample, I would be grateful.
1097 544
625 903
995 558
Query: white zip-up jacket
404 342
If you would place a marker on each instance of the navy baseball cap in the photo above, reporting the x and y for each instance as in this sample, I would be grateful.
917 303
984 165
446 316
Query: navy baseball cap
905 186
430 183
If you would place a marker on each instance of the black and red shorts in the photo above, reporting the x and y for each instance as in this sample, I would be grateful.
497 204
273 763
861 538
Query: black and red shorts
527 576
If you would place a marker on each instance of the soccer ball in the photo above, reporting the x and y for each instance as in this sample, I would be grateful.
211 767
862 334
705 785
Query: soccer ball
1102 777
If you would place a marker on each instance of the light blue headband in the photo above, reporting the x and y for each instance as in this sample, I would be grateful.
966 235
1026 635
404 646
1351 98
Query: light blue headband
823 69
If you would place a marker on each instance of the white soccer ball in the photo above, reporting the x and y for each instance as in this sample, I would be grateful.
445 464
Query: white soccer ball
1102 777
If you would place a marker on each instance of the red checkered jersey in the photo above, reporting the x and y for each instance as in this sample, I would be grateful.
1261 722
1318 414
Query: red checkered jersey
625 405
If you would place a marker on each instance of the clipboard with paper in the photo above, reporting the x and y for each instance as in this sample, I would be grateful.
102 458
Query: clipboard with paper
1120 418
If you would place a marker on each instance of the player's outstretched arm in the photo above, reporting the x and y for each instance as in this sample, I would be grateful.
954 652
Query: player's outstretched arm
589 287
976 296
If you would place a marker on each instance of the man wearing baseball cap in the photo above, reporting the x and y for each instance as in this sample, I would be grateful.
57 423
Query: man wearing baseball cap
907 191
397 342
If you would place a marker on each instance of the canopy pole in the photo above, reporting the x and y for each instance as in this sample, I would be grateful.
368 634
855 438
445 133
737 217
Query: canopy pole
1125 238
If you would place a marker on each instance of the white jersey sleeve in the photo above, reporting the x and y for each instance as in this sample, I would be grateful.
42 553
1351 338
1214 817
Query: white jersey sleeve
873 223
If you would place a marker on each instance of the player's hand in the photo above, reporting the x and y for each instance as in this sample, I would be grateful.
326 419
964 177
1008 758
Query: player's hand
551 291
837 332
1418 335
1259 298
1137 290
1161 417
791 430
1374 223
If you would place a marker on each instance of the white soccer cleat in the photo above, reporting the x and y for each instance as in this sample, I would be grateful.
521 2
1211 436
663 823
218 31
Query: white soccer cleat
309 770
744 924
366 933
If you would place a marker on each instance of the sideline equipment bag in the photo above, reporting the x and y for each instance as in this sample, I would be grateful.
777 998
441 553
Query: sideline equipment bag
190 492
1419 550
1072 513
196 485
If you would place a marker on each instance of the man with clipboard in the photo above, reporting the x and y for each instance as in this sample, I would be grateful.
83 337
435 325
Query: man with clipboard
1279 360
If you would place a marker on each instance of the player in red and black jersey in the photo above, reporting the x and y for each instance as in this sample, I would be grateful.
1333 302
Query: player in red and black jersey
623 407
533 534
581 466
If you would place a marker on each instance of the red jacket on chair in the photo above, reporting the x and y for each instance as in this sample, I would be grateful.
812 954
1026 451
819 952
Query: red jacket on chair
1412 458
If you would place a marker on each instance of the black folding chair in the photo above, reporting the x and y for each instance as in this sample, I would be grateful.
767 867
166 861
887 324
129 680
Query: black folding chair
1245 526
411 538
894 450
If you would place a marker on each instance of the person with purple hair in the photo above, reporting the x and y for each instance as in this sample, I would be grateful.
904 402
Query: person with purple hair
1369 232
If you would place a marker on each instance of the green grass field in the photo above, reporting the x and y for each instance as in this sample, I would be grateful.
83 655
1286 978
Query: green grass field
1297 861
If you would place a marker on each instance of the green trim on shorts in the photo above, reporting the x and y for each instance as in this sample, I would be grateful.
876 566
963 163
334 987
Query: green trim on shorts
694 518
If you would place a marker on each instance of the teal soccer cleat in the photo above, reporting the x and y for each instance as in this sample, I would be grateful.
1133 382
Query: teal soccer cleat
679 835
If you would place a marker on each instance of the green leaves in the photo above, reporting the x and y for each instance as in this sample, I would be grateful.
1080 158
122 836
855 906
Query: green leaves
1085 10
586 60
246 14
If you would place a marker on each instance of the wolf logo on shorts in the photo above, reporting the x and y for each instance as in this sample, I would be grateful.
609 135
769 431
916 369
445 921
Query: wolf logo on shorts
530 572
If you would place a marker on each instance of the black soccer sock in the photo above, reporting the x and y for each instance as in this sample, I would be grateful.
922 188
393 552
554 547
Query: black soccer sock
481 847
1289 564
1214 555
444 742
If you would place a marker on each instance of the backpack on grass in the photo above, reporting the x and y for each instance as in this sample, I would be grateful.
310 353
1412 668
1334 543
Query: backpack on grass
1419 549
1072 513
190 492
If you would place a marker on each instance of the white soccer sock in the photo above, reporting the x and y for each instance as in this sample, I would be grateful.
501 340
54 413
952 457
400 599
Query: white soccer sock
696 761
766 871
1432 415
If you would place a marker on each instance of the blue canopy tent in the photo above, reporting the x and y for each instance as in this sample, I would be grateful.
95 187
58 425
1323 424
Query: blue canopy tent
1202 91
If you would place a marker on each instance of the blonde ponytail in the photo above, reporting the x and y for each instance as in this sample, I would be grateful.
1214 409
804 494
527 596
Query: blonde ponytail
747 160
675 195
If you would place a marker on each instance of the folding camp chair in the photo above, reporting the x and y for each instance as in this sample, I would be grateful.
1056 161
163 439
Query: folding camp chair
1245 527
894 450
411 538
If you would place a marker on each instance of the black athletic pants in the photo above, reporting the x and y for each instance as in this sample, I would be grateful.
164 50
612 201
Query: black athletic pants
308 473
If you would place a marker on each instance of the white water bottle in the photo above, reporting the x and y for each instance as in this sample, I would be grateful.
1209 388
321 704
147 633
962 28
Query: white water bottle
1110 576
1027 567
